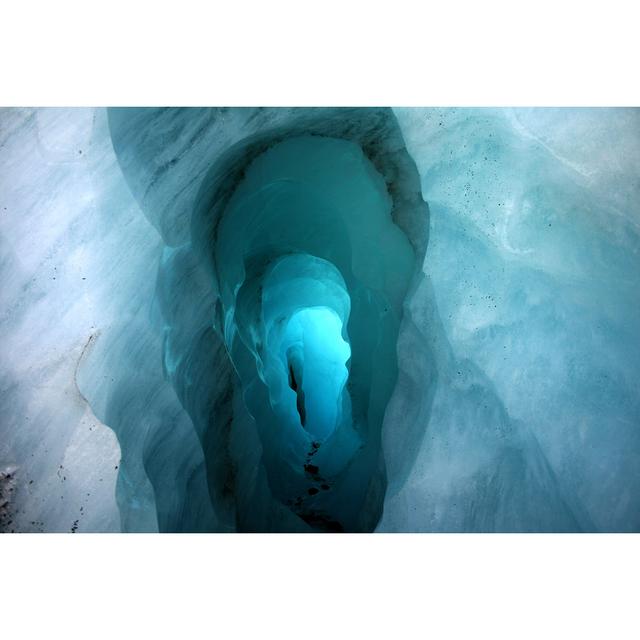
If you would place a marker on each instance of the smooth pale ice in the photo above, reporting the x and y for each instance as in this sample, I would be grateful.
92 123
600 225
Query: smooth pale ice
534 257
524 328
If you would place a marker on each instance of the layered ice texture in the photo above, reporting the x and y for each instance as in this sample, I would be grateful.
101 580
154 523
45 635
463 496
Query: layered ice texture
320 320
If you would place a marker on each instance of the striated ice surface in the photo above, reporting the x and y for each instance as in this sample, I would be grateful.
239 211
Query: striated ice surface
209 315
63 205
534 259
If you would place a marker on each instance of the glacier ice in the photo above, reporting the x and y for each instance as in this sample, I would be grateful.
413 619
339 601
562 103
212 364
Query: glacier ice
320 319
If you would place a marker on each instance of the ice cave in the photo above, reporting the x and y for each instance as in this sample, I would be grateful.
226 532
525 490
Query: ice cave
320 320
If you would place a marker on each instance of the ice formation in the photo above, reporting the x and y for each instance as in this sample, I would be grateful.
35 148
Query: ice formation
320 319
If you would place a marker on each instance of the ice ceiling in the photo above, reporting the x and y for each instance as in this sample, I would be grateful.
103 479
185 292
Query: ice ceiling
320 320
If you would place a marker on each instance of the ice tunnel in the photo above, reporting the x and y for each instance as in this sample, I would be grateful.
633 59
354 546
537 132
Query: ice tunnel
281 292
312 273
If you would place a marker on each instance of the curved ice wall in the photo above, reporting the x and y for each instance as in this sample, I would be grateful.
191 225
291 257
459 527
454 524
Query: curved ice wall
514 406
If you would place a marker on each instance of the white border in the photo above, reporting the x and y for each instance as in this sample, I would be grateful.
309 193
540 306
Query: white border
320 586
337 52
